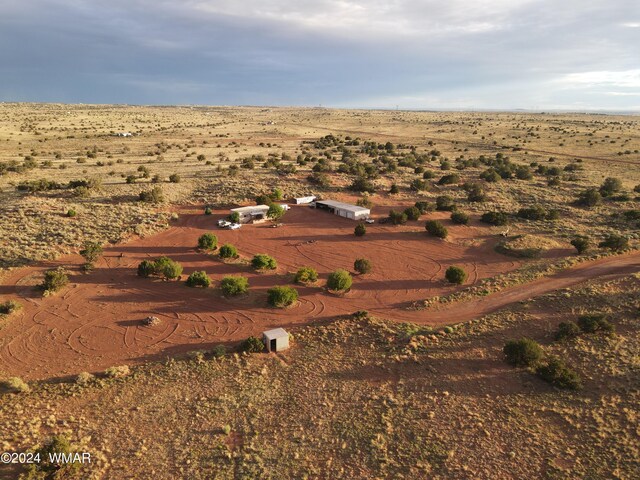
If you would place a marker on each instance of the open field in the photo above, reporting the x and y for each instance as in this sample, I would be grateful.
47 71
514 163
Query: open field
365 399
414 385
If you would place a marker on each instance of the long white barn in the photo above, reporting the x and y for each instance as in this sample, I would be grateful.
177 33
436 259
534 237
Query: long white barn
346 210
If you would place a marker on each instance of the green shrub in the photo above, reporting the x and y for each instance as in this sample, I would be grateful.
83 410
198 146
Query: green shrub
567 330
475 192
360 230
394 189
174 178
436 229
589 197
581 244
168 268
281 297
234 217
522 353
306 275
207 241
615 242
198 279
339 281
455 275
610 186
425 207
495 218
262 261
523 172
154 195
228 251
362 265
252 345
13 385
445 203
9 307
490 175
219 351
460 218
208 211
397 218
234 285
418 185
91 251
413 213
450 179
54 280
275 212
146 268
537 212
71 213
558 374
595 323
49 468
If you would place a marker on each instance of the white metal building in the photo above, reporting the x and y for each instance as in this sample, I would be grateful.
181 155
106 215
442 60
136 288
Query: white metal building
304 200
252 213
276 339
346 210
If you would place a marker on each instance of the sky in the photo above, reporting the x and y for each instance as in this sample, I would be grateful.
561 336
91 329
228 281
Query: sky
577 55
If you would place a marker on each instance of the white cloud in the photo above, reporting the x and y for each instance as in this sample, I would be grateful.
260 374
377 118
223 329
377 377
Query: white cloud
625 79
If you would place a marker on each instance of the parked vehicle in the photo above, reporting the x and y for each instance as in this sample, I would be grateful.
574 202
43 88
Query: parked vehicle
222 223
384 220
285 206
234 226
369 220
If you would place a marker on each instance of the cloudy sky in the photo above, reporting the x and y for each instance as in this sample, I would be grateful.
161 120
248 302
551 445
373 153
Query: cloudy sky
453 54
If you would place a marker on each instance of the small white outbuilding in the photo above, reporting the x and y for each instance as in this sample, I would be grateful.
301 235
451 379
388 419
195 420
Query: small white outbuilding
276 340
304 200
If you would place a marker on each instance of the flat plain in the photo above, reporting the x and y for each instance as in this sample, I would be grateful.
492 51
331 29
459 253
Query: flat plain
403 374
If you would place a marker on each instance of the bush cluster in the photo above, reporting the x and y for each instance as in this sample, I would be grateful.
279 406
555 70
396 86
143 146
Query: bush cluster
162 266
455 275
262 261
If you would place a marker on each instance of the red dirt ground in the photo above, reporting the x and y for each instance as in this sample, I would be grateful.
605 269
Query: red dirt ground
96 322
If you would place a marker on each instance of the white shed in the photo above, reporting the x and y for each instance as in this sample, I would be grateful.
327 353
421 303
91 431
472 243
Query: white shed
304 200
276 339
346 210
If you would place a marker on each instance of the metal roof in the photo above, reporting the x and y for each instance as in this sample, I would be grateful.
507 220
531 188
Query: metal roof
250 208
275 333
343 206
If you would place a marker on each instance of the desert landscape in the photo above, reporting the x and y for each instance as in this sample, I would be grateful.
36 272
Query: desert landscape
480 322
